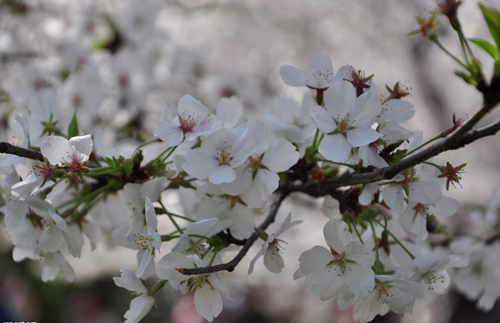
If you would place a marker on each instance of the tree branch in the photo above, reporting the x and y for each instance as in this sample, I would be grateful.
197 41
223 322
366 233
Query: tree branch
229 266
457 140
7 148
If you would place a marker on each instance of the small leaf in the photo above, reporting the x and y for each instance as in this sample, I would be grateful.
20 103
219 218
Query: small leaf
73 127
492 18
128 165
487 47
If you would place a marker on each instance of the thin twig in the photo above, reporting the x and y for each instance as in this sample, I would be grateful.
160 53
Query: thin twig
229 266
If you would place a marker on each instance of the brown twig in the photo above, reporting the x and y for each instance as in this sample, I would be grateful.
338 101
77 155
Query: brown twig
229 266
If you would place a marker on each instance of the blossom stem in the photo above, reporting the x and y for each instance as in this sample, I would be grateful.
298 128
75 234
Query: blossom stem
432 164
145 144
355 167
315 140
377 265
396 239
357 232
87 198
179 229
437 42
169 153
157 287
169 237
423 145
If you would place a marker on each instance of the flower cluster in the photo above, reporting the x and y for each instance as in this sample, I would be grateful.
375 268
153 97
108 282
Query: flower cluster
345 140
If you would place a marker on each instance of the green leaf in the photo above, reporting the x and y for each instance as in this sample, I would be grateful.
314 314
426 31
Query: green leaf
492 18
128 165
487 47
73 127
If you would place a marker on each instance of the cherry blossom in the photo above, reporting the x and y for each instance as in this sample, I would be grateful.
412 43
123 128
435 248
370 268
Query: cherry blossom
140 305
73 153
346 120
192 120
345 265
271 248
319 74
219 155
207 288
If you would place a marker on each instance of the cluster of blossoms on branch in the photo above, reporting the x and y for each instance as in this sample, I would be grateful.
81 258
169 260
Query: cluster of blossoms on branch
346 142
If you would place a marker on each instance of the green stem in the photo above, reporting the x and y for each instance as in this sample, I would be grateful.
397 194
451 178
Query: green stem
423 145
432 164
157 287
378 269
169 237
396 239
315 140
437 42
179 216
169 153
88 197
355 167
357 233
145 144
179 229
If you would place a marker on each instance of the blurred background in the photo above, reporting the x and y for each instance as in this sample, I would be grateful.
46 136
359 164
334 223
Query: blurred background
118 62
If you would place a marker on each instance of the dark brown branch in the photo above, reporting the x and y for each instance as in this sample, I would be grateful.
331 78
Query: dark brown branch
7 148
457 140
229 266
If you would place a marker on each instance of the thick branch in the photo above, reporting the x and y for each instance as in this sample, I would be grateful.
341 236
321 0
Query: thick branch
229 266
7 148
457 140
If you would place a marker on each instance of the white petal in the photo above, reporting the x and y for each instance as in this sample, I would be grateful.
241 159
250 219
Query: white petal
362 136
280 156
139 307
83 147
393 196
273 262
291 75
323 119
56 150
335 148
222 174
169 133
208 302
198 164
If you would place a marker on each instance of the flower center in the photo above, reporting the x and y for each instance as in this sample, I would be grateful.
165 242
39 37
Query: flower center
143 241
187 124
343 124
223 154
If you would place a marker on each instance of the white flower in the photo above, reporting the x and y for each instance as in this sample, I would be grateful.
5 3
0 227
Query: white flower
347 264
433 275
414 219
259 172
219 155
346 120
206 288
43 108
140 305
480 279
271 248
290 121
71 153
192 120
229 209
191 242
319 74
149 241
390 292
417 188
